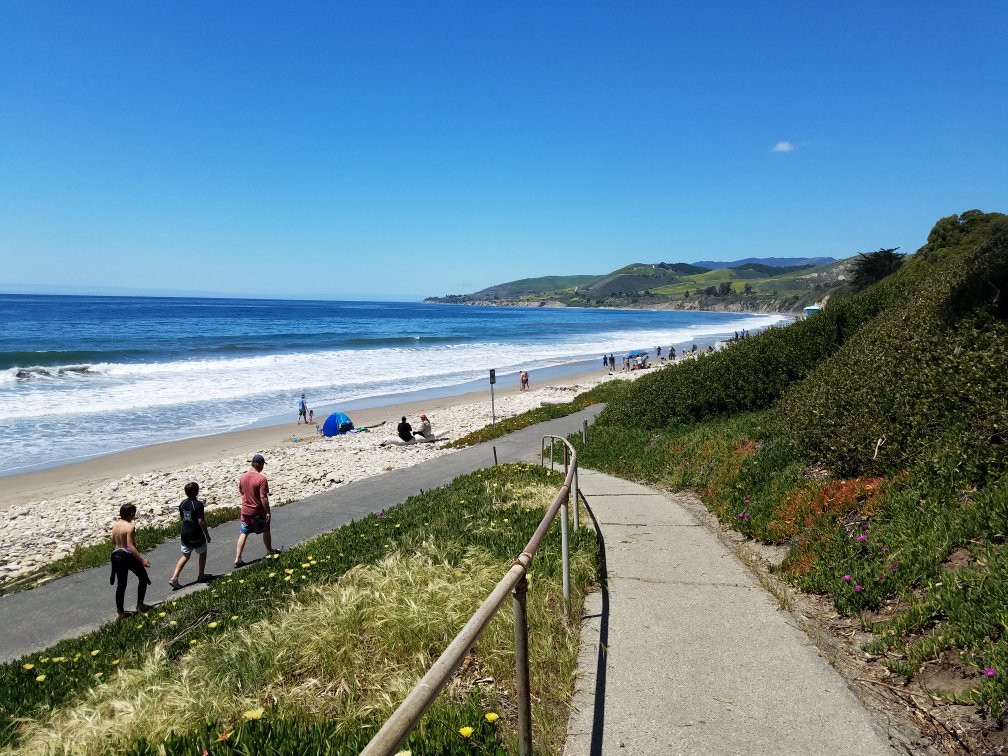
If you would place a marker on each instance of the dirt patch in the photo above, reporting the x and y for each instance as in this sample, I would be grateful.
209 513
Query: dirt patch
947 676
957 560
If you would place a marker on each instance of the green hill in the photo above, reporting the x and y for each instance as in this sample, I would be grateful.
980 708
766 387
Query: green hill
868 442
748 286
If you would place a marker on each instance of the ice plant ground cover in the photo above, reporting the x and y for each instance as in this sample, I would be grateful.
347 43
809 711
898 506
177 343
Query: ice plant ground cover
871 440
310 651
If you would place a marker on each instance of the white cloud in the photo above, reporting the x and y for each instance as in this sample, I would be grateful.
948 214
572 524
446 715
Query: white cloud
783 147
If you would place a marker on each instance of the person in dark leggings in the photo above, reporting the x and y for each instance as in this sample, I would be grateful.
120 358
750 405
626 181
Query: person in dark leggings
126 558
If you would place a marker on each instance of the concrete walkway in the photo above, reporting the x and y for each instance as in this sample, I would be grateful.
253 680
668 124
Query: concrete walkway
70 606
685 652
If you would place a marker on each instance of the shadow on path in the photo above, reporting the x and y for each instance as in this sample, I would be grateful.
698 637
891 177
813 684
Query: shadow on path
598 709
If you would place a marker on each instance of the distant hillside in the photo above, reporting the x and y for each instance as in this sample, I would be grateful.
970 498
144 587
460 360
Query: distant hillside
751 285
526 286
775 262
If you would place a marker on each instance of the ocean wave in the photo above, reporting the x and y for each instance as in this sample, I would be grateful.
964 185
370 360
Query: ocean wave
259 382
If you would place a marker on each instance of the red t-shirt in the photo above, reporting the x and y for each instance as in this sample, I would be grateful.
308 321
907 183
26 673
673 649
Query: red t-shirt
253 486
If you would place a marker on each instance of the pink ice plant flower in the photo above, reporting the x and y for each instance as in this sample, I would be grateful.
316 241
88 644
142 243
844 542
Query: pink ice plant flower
989 672
858 588
862 538
846 578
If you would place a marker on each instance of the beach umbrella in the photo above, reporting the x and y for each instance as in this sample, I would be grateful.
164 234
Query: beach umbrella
336 423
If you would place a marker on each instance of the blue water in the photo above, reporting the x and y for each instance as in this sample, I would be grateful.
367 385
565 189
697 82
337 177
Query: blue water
81 376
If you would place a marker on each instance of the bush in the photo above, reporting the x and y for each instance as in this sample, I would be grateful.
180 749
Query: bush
924 382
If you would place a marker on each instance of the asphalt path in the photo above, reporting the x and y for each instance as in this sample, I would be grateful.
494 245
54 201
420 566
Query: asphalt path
35 619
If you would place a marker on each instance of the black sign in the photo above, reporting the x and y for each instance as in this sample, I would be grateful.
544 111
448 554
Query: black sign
493 376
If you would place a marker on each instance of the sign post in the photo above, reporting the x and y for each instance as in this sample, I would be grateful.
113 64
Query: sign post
493 380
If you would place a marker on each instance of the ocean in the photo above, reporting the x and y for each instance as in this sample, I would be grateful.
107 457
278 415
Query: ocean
85 375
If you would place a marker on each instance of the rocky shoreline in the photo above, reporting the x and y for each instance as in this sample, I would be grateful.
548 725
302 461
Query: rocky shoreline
43 531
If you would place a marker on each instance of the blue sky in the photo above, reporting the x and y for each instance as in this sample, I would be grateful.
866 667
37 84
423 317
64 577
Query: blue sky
398 150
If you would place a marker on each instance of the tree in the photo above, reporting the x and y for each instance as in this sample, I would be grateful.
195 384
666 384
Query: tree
686 294
724 289
747 289
872 267
710 291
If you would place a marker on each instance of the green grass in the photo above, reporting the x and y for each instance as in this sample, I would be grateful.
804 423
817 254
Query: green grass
456 541
604 392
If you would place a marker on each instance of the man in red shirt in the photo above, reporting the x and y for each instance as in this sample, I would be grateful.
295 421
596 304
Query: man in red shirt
255 510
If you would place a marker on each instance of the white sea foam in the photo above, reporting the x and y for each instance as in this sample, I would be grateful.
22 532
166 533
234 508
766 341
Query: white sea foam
329 376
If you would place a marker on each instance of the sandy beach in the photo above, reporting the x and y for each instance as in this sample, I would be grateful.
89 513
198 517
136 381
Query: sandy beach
47 513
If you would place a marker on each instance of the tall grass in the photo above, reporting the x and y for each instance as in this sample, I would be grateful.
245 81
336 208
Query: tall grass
325 639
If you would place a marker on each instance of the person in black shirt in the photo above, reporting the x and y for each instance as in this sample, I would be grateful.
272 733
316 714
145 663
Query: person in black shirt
195 535
405 431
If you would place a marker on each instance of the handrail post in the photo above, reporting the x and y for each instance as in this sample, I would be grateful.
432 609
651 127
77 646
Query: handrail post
574 492
522 689
552 455
584 433
565 547
542 452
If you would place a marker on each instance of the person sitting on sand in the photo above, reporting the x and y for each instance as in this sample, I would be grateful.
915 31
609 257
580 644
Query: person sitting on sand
425 431
195 535
126 558
405 430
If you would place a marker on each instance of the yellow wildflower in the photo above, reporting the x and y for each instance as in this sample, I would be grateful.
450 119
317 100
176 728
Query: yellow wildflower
242 580
162 614
95 652
193 642
304 564
212 625
40 678
253 714
234 617
272 574
491 716
98 675
289 571
114 661
173 623
465 732
29 666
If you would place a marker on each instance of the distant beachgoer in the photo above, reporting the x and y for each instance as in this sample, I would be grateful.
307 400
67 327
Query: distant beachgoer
255 508
605 362
671 351
425 431
405 430
694 348
736 335
612 363
126 558
658 351
524 380
195 535
302 410
311 417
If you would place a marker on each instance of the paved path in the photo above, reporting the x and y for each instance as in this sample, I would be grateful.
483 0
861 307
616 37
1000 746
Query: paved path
76 604
686 652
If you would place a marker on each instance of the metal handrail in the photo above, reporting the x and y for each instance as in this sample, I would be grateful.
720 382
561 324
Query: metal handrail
397 727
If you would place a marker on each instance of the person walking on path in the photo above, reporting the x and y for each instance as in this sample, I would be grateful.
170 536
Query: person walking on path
195 535
302 410
126 558
255 509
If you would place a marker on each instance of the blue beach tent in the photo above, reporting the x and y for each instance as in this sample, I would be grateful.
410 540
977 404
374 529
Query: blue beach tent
336 423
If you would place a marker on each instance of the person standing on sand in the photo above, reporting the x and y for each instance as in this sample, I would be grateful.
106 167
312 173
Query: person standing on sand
612 364
524 380
195 535
605 362
302 410
126 558
255 508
